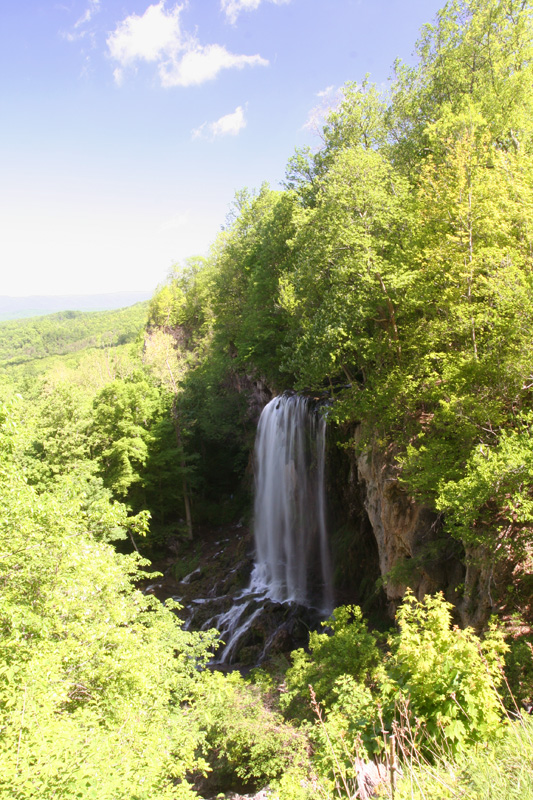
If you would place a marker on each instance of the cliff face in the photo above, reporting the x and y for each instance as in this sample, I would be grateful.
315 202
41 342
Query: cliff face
408 535
402 541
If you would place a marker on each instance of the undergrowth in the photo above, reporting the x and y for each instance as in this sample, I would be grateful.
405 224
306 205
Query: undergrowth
494 770
418 714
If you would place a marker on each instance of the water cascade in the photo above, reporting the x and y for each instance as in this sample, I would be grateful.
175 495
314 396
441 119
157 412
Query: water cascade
292 553
292 562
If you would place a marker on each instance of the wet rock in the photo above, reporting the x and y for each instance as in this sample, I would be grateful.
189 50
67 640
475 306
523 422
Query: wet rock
275 628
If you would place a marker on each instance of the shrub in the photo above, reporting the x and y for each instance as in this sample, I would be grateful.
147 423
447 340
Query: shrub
443 678
349 649
436 688
248 744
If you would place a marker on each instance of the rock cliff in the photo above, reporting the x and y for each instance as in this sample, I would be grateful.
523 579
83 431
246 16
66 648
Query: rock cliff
382 535
411 548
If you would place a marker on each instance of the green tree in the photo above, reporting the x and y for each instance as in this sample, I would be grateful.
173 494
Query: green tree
124 412
477 52
57 420
350 272
252 256
97 681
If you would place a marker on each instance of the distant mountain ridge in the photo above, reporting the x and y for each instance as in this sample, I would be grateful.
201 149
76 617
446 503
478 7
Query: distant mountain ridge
38 305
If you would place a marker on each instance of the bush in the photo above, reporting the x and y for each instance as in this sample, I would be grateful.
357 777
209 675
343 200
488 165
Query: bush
248 744
349 649
443 678
436 688
97 682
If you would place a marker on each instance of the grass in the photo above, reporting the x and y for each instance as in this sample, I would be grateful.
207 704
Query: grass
498 770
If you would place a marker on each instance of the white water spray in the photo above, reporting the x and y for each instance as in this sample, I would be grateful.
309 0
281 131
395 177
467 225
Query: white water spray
292 554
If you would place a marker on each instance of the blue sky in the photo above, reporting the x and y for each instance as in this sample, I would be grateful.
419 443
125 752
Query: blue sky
129 125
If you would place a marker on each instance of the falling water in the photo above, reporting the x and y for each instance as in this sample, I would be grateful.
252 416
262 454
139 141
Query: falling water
292 554
292 562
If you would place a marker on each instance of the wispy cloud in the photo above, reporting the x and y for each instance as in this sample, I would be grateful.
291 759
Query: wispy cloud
157 37
228 125
94 6
79 29
199 64
328 99
232 8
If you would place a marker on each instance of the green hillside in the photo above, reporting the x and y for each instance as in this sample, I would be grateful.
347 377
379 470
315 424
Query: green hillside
67 332
40 305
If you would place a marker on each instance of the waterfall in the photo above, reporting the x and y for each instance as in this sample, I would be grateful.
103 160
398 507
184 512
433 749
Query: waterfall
292 560
292 553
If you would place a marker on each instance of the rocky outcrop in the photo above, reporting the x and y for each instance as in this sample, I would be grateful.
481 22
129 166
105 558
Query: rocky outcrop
485 590
402 528
415 553
256 391
400 538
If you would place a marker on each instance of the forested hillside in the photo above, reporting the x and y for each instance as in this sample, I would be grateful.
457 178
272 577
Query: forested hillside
13 308
67 332
392 275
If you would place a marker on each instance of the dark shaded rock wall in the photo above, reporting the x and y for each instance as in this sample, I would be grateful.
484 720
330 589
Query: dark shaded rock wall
382 537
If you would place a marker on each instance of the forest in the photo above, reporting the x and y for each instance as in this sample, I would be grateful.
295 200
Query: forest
393 275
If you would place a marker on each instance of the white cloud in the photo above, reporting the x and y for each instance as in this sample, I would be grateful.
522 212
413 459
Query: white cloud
328 99
79 31
153 37
232 8
200 64
156 37
229 125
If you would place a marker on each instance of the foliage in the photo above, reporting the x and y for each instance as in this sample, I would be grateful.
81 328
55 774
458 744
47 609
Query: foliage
96 678
494 477
184 301
447 677
252 256
347 649
57 421
348 270
436 682
247 743
487 771
123 414
518 688
68 332
476 51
